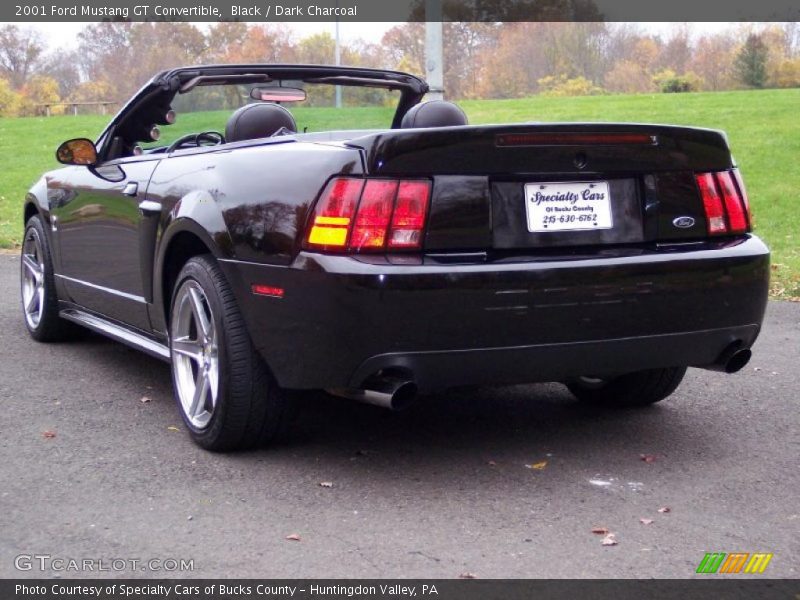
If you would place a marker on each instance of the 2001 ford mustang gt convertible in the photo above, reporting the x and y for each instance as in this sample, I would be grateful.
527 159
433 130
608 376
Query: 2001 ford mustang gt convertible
205 227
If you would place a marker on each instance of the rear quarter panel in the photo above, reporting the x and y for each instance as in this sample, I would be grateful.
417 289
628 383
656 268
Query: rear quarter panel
246 203
261 195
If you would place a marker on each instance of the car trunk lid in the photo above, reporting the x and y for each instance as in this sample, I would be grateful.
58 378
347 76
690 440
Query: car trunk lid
555 184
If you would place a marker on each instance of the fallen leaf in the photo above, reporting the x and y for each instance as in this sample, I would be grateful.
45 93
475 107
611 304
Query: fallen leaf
48 434
609 540
467 575
293 537
172 428
539 466
600 530
644 521
144 399
664 509
326 484
648 458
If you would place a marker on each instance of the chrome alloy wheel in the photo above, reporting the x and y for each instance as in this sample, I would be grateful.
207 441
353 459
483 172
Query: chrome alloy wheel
32 274
195 354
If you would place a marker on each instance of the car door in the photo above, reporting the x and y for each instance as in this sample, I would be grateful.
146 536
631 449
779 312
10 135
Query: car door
101 222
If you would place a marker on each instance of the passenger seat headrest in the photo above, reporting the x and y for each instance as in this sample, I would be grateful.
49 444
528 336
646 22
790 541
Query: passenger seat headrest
258 120
436 113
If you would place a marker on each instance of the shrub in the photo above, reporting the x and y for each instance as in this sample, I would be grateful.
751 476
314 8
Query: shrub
39 90
561 86
787 74
670 83
628 77
10 101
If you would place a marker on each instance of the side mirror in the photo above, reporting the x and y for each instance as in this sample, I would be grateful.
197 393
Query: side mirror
79 151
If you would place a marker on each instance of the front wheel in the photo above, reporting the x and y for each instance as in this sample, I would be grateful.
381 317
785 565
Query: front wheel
625 391
38 287
225 393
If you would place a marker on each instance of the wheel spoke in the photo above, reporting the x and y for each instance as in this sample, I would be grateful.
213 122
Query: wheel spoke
200 391
195 363
213 381
191 348
200 312
33 302
32 266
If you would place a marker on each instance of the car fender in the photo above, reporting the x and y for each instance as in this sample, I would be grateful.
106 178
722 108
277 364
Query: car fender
37 198
38 201
196 213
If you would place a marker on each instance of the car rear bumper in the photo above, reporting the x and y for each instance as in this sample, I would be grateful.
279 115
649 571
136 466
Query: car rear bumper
511 319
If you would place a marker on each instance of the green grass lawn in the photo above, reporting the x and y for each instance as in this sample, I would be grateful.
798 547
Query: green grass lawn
762 126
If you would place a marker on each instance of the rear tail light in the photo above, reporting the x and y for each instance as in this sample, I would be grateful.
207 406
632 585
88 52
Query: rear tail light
374 214
370 215
725 202
737 219
410 210
334 214
712 203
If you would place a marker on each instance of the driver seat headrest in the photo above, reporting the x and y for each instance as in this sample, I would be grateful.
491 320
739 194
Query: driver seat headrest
258 120
436 113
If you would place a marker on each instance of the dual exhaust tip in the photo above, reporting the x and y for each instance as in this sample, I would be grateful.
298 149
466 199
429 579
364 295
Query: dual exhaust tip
397 393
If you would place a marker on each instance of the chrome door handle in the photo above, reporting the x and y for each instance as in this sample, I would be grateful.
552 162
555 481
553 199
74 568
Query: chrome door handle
148 206
131 189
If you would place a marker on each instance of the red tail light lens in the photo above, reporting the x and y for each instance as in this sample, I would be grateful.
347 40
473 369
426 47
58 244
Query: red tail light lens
725 203
733 205
370 215
411 208
743 195
334 213
374 214
712 203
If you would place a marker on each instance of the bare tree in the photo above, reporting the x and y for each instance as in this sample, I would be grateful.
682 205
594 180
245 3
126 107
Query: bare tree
676 52
64 68
20 51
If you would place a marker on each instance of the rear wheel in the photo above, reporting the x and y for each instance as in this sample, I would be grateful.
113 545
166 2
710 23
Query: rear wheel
225 393
633 389
38 288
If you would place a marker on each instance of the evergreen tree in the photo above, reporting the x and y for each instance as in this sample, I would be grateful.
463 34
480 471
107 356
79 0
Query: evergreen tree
751 62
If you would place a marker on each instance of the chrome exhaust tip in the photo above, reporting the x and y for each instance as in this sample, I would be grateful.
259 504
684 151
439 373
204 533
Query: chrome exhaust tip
386 392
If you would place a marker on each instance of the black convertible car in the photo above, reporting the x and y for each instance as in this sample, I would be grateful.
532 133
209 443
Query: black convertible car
258 256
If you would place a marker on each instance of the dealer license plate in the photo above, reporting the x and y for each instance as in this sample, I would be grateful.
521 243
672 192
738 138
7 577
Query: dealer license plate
573 206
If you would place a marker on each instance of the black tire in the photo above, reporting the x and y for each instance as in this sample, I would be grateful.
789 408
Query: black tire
641 388
250 409
46 326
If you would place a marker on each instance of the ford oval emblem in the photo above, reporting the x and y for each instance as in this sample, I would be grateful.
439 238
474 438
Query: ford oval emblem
683 222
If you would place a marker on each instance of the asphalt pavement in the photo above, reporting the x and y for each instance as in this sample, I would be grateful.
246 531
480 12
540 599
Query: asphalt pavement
504 482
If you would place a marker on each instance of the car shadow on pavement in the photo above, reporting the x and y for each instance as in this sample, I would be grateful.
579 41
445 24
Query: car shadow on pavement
512 428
